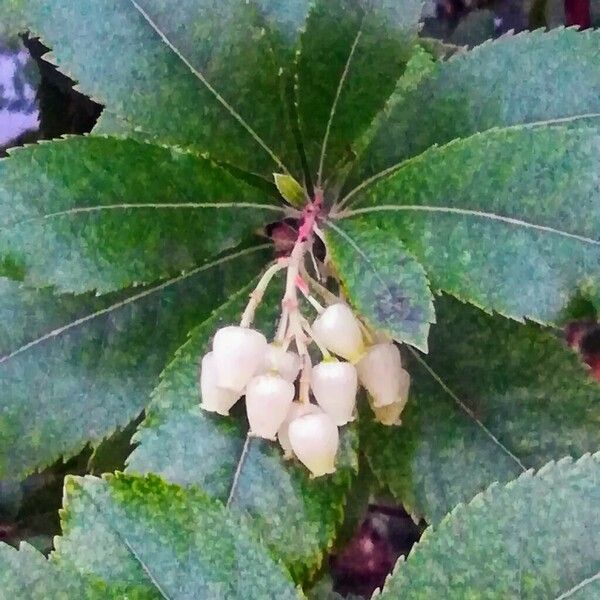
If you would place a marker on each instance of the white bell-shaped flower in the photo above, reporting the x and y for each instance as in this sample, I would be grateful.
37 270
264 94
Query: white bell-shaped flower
286 363
380 372
315 440
239 352
390 413
298 409
214 398
339 331
334 385
268 400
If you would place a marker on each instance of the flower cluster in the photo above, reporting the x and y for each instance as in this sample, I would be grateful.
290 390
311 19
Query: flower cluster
287 398
243 363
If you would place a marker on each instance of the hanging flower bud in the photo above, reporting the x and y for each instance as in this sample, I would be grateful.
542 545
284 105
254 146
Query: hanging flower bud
214 398
268 400
334 385
285 363
339 331
239 352
298 409
380 372
390 413
315 440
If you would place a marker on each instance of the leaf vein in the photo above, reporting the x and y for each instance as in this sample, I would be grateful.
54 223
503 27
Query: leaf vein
60 330
129 547
238 471
466 409
141 205
470 213
357 249
579 586
396 167
336 100
208 86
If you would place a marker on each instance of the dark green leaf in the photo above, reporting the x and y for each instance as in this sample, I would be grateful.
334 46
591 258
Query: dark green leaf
500 397
102 213
535 538
296 516
110 454
507 220
352 54
383 281
73 369
527 78
194 73
141 538
418 67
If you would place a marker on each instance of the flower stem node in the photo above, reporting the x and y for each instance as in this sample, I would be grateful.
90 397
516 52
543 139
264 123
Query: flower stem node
380 372
338 330
297 410
214 398
285 363
239 353
315 440
268 401
334 385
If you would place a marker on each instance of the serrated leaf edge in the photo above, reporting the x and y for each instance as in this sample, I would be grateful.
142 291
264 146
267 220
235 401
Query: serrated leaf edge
482 499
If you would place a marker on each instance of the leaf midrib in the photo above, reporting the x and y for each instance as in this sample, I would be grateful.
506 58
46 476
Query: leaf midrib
579 586
466 212
80 321
151 205
465 408
122 537
200 76
343 204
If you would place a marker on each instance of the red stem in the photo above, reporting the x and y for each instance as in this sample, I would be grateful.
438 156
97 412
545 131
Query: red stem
577 12
309 216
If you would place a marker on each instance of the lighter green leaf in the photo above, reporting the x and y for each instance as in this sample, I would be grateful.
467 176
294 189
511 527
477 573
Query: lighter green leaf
383 281
491 399
351 55
535 538
194 73
290 189
102 213
522 79
26 575
141 538
507 220
73 369
295 515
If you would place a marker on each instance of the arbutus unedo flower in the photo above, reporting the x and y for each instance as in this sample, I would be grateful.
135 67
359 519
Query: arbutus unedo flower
286 397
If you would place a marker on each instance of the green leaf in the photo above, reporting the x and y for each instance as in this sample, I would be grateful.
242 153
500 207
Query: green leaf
73 369
295 515
101 213
507 220
290 189
534 538
383 281
491 399
26 575
141 538
418 67
351 55
192 74
499 84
